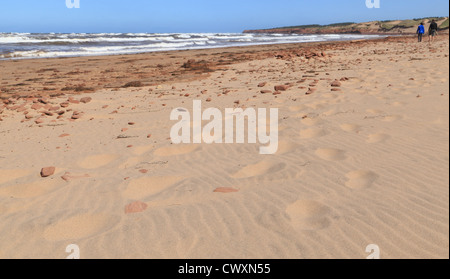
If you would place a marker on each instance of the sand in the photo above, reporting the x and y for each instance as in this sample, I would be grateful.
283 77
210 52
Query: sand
366 163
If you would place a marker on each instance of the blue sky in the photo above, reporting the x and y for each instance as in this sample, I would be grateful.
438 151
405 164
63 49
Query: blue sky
199 15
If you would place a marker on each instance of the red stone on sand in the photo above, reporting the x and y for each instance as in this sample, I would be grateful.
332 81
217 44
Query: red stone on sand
281 87
262 84
226 190
336 83
47 171
135 207
86 100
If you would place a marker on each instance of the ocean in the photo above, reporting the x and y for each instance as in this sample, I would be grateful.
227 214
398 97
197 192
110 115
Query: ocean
40 45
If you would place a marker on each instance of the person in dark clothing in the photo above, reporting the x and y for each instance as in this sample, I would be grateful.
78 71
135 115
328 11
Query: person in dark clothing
421 31
432 31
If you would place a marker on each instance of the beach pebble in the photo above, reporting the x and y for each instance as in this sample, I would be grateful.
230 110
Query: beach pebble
336 83
226 190
76 115
36 106
311 91
135 207
47 171
42 100
73 101
281 87
262 84
86 100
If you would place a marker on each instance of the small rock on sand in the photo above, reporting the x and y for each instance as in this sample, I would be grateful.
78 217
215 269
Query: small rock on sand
336 83
47 171
135 207
281 87
262 84
86 100
226 190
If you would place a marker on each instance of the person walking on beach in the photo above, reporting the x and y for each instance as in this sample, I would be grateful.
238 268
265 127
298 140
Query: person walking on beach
432 31
421 31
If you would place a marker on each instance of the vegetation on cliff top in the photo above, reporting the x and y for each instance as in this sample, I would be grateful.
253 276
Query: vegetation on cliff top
385 26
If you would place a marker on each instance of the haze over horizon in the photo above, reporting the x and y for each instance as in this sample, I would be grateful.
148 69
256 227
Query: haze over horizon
197 16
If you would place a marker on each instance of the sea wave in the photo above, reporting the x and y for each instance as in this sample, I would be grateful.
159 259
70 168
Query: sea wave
40 45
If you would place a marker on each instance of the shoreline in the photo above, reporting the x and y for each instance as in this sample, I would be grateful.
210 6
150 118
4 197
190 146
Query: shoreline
166 66
219 47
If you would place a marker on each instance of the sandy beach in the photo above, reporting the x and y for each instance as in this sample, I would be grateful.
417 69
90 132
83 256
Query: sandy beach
363 154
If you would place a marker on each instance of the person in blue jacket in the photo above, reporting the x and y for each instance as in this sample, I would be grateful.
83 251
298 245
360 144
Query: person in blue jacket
420 31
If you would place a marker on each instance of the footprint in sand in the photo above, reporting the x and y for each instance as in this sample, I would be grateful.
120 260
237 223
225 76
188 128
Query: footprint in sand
392 118
360 179
97 161
180 149
312 133
374 111
376 138
331 112
139 150
297 108
398 104
312 121
3 209
130 162
308 215
30 190
79 226
9 175
147 186
261 168
331 154
316 106
286 147
351 128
